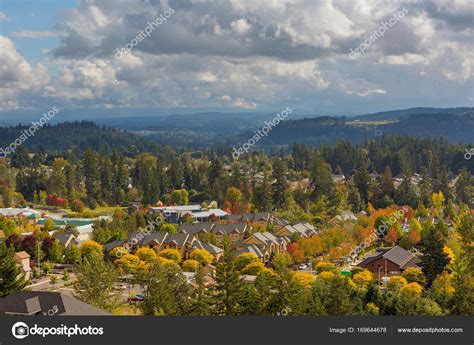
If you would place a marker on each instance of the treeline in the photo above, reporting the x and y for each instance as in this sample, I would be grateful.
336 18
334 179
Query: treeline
302 182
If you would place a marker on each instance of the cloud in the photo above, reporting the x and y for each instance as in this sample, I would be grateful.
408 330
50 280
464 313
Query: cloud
17 76
251 55
3 17
34 34
243 104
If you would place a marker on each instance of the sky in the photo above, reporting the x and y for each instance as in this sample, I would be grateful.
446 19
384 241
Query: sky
321 56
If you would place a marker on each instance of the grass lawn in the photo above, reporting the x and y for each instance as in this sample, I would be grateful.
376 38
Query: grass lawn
127 310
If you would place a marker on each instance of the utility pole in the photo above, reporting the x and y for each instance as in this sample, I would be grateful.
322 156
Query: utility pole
39 258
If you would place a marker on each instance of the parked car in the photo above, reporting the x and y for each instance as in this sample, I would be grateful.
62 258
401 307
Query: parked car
302 267
137 298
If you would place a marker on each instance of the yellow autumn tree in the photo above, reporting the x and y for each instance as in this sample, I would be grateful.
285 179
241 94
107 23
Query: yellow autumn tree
171 254
305 280
362 279
412 289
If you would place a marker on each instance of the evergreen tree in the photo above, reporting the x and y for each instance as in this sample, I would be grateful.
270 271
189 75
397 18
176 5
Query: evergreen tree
406 193
95 282
201 299
362 181
12 277
434 259
280 185
386 185
228 285
91 175
262 195
321 180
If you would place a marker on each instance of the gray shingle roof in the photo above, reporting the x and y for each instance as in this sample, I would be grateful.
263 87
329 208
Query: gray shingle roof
207 246
398 255
229 228
157 236
195 228
34 302
179 239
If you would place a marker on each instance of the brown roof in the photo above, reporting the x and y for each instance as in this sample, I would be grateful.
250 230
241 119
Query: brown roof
23 255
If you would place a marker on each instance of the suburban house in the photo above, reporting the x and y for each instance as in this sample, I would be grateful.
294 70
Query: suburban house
214 250
31 303
344 216
173 214
182 242
259 218
267 242
32 216
390 262
23 260
66 240
154 240
305 230
235 231
261 253
196 229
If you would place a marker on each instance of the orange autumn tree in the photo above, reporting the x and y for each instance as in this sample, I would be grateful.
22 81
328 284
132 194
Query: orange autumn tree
391 237
297 254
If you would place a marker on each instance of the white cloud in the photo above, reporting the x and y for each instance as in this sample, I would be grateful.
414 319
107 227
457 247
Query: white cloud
34 34
243 104
246 54
3 17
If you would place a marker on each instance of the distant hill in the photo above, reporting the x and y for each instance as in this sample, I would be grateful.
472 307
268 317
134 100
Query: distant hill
79 136
404 113
219 130
456 125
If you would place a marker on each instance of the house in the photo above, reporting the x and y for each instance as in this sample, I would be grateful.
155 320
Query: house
32 216
259 217
390 262
32 303
235 231
111 245
182 242
305 230
154 240
196 229
173 214
66 240
212 249
23 260
344 216
261 253
266 241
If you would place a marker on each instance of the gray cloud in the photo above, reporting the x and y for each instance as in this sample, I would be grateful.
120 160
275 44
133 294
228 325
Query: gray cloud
256 54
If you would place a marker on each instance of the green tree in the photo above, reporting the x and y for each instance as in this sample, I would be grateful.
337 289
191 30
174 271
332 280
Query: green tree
95 282
434 259
12 277
91 177
280 185
228 283
56 252
73 254
179 197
